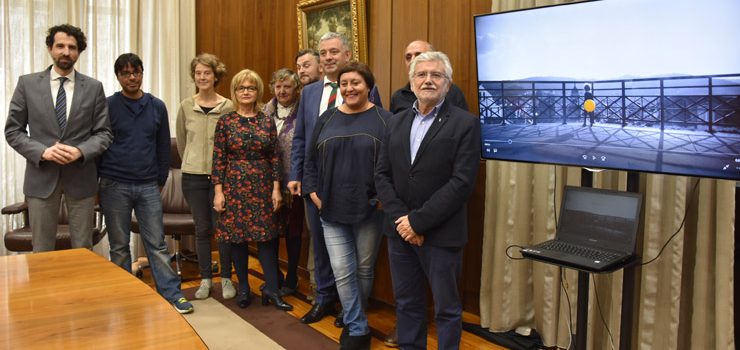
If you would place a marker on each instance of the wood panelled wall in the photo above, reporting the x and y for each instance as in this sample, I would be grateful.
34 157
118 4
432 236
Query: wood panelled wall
262 36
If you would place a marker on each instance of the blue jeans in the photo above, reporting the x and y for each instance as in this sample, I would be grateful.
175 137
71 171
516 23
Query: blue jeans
352 251
117 200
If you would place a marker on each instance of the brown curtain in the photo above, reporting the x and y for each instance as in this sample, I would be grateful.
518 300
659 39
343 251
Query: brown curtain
685 297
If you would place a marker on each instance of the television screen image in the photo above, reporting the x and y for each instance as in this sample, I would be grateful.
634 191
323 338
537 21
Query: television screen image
638 85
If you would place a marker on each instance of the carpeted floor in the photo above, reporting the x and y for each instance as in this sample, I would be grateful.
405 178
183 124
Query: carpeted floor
224 330
281 328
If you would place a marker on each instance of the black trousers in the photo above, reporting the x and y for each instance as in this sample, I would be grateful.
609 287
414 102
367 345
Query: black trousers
198 192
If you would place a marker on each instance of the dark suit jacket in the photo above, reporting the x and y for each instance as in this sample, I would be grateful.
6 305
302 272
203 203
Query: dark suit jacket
32 127
432 191
306 117
404 98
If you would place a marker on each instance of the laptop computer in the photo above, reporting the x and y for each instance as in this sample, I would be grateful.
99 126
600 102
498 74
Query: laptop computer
596 231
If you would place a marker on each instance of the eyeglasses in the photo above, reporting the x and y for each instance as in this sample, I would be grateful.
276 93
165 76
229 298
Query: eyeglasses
247 88
437 76
125 74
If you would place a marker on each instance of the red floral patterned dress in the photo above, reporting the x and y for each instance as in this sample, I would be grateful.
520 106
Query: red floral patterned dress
245 162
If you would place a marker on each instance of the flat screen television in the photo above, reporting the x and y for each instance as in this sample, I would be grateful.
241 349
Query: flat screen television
637 85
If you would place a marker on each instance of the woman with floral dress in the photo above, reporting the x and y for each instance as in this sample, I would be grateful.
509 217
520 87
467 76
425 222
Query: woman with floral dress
246 179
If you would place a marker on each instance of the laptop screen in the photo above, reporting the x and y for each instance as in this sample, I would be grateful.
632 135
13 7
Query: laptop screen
600 218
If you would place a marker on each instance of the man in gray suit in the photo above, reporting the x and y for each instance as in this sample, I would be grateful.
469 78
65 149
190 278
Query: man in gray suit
58 121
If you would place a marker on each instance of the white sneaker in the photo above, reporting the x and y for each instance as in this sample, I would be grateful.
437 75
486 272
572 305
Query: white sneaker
227 288
205 288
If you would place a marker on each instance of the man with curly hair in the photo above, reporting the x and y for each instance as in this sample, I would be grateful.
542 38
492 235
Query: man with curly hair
58 121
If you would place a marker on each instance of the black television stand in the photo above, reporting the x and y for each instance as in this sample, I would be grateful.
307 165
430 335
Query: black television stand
583 296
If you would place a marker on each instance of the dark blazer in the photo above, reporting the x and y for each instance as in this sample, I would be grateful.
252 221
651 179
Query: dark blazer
432 191
308 113
404 98
32 127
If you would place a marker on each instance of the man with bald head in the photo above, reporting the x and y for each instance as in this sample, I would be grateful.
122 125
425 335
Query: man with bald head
403 98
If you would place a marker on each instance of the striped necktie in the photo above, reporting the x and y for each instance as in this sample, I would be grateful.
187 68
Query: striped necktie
61 106
332 95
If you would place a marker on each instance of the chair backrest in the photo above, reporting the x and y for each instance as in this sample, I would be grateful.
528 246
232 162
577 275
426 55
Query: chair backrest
63 236
175 159
173 200
64 214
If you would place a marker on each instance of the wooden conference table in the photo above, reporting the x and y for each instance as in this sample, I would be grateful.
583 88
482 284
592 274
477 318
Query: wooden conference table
75 299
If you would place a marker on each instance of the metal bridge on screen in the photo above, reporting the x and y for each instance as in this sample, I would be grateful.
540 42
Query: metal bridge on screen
691 103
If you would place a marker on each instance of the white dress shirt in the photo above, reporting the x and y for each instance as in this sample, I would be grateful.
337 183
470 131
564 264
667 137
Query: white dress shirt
69 88
325 96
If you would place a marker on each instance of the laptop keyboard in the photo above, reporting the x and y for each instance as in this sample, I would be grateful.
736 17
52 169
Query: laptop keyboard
585 252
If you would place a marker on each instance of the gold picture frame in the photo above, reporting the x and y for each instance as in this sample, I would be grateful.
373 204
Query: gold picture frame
346 17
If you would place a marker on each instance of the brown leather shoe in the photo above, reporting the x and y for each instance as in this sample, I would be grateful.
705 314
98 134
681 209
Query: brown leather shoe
391 339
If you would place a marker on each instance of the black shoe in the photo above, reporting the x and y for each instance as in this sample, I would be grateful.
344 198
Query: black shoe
357 342
339 321
391 339
317 312
285 291
269 296
243 299
343 336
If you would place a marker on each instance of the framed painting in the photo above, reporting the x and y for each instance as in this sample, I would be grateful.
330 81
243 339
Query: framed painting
346 17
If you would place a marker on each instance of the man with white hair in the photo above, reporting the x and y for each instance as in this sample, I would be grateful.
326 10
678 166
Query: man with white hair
426 172
403 99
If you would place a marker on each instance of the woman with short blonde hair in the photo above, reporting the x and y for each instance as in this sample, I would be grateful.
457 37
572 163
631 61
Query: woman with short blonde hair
246 180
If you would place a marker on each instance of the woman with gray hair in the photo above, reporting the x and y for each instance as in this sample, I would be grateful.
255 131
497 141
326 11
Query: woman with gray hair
282 108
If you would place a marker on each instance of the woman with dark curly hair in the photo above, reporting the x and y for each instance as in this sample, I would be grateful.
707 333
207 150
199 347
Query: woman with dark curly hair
338 178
